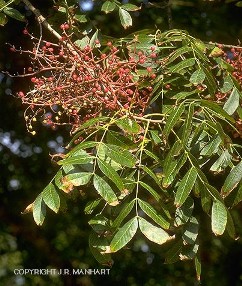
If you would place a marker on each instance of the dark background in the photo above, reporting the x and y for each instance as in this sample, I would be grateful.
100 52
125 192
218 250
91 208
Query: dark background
25 169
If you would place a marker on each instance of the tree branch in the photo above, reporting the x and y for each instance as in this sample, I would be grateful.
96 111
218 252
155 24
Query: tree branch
41 19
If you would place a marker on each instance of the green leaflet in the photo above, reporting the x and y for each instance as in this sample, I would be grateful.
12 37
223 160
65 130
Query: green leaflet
234 177
91 205
185 186
151 174
153 233
198 76
125 18
228 84
78 179
103 188
39 210
179 52
179 68
13 13
212 146
233 101
98 245
130 7
110 173
128 125
51 197
216 110
150 190
115 138
152 213
222 162
173 119
219 217
76 160
108 6
172 255
119 155
230 227
184 213
124 235
188 124
123 214
198 266
191 231
209 80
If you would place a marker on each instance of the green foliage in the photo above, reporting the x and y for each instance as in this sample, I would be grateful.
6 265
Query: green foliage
150 174
149 178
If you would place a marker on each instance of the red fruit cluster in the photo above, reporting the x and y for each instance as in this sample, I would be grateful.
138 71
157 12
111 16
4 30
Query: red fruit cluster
75 84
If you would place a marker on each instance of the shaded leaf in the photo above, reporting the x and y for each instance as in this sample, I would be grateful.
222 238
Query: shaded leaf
184 213
172 255
98 245
191 231
13 13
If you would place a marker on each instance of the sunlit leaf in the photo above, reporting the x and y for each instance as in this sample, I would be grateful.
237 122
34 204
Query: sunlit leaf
234 177
182 65
91 205
232 103
119 155
124 235
128 125
108 6
123 214
173 119
130 7
39 210
51 197
153 233
125 18
110 173
185 186
152 213
197 77
104 189
219 217
78 179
